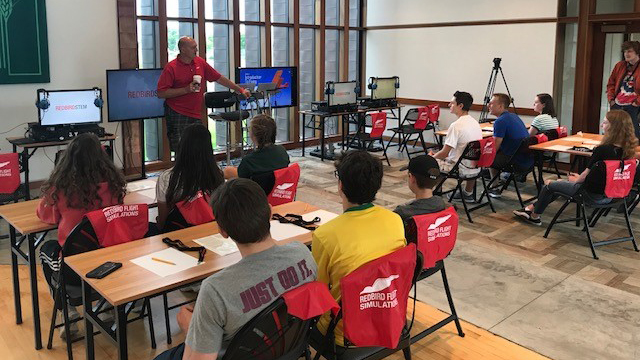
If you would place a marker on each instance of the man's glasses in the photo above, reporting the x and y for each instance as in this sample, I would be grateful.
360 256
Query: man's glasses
180 246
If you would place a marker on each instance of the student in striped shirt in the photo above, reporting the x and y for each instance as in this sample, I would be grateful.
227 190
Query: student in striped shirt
543 105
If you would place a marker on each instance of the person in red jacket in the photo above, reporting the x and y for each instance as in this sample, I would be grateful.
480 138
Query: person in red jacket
84 179
623 87
179 84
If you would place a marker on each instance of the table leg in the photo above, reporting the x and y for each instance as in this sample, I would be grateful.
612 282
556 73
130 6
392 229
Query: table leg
121 332
88 325
25 165
322 119
16 280
34 291
304 122
540 156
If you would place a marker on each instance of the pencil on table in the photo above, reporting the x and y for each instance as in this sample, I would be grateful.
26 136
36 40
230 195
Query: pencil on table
163 261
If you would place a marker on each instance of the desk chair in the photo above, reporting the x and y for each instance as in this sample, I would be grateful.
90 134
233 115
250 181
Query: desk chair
226 100
515 170
365 140
421 230
582 200
280 185
415 122
95 231
373 332
11 189
187 213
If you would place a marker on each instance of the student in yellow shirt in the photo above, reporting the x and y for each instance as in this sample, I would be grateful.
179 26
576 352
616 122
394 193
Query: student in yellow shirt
364 232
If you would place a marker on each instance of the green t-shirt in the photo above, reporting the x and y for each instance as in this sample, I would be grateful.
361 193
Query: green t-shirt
269 158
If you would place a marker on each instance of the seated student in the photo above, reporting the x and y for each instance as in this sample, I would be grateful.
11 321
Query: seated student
508 132
84 179
228 299
266 157
195 170
422 177
543 105
364 232
462 131
619 141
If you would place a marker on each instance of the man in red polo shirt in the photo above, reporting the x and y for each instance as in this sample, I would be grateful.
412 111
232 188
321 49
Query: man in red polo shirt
183 92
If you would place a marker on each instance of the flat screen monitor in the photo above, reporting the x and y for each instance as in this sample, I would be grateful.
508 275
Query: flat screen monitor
132 94
386 88
285 80
69 107
343 93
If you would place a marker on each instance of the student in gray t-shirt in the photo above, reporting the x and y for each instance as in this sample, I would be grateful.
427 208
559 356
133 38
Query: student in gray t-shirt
423 175
233 296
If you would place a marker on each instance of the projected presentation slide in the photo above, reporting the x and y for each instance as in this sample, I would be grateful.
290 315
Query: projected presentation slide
69 107
284 77
132 94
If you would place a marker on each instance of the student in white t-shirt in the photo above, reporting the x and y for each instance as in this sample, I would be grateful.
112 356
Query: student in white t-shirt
543 105
462 131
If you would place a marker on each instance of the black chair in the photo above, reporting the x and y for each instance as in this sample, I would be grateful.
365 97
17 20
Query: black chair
270 335
175 221
551 159
411 233
471 152
266 181
66 285
515 171
581 199
407 129
365 140
226 100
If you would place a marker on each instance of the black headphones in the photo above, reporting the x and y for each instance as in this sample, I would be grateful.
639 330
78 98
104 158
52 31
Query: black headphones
98 102
371 85
329 89
42 104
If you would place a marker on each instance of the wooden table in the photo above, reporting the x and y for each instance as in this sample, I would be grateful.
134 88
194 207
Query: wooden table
487 130
23 220
28 144
132 282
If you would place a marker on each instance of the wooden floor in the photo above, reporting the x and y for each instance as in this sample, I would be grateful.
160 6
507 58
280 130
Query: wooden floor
16 341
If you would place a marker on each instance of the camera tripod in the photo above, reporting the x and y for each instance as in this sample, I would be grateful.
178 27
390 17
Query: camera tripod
491 87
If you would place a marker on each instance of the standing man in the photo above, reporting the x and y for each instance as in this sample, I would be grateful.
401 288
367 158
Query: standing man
623 87
180 83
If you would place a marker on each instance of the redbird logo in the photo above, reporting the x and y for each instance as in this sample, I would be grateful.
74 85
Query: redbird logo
70 107
142 94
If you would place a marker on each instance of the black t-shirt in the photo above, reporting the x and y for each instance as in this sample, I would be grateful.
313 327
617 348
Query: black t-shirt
269 158
595 181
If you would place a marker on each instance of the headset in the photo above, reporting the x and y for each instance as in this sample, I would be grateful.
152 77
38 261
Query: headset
98 102
42 104
373 85
329 89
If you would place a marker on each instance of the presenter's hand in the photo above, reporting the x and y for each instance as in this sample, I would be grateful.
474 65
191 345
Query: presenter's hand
246 93
193 87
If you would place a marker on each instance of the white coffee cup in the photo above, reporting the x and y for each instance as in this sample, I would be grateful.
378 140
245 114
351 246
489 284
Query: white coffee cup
197 78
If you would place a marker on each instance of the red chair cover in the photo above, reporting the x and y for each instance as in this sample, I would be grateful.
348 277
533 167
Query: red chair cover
562 131
379 124
437 233
9 173
285 186
542 138
374 299
619 180
310 300
196 211
488 152
434 113
423 118
120 223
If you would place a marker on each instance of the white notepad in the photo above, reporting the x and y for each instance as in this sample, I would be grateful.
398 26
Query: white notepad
558 147
218 244
324 215
591 142
182 261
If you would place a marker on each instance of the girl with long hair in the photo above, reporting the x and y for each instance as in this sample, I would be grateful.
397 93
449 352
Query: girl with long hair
619 142
84 179
195 170
543 105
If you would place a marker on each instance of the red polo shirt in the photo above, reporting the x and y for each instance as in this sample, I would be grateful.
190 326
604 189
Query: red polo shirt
177 74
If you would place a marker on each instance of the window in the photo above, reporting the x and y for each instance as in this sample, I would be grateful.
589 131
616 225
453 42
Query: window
332 9
218 57
250 45
249 10
176 30
149 58
181 8
306 73
280 11
307 12
280 57
216 9
354 12
354 55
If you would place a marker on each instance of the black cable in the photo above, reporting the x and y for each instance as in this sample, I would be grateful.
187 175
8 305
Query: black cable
13 128
115 147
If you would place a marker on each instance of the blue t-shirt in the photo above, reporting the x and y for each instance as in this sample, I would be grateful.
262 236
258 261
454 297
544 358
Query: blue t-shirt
511 129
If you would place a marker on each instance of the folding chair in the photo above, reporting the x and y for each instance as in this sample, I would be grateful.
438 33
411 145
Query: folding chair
435 236
365 140
619 178
482 152
549 158
190 212
374 305
98 229
514 170
419 120
281 331
280 185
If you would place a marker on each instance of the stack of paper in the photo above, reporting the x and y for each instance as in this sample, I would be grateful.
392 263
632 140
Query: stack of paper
558 148
218 244
181 260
